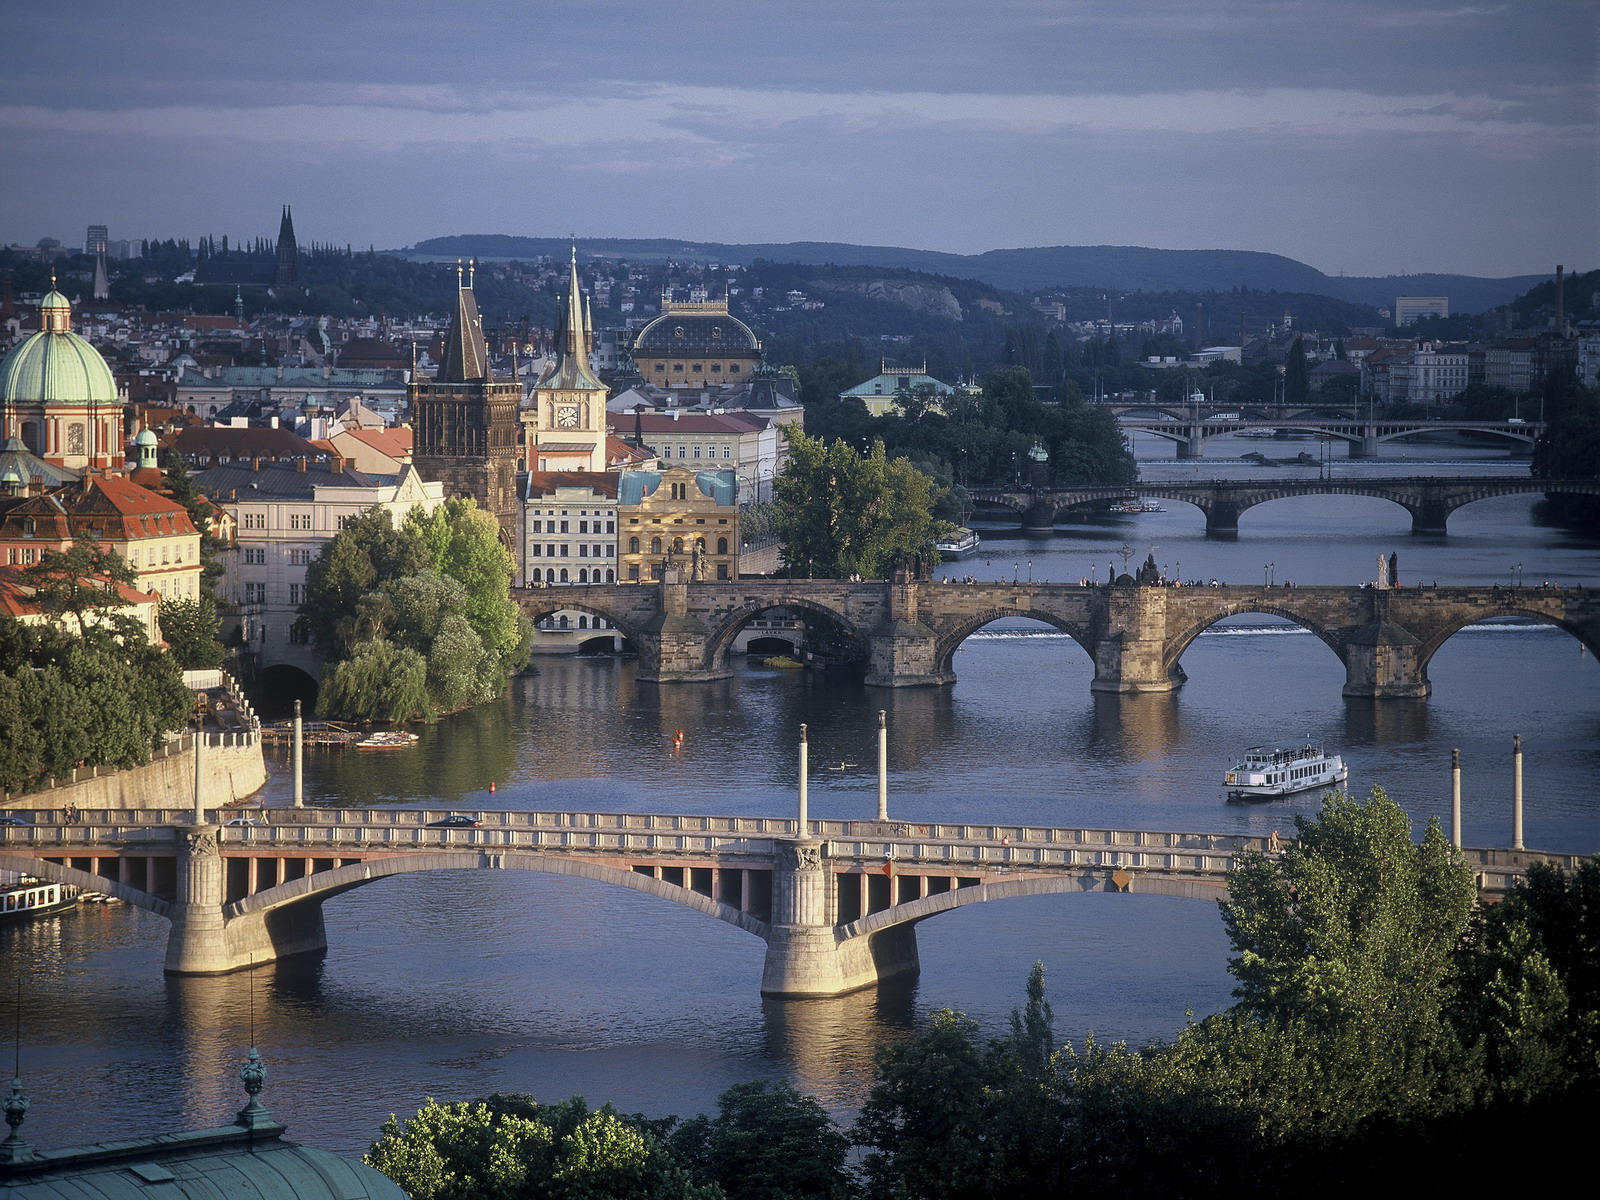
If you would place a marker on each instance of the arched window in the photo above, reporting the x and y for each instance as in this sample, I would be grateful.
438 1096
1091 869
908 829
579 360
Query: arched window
583 622
563 621
633 545
677 545
583 577
655 545
534 578
722 545
564 579
611 576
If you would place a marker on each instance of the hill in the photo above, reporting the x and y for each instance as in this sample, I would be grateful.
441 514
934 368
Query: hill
1040 268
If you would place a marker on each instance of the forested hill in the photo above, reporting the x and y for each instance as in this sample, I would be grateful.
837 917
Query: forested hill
1124 268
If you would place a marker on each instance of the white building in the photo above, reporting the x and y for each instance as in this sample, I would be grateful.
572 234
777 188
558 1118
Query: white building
569 536
1408 310
285 512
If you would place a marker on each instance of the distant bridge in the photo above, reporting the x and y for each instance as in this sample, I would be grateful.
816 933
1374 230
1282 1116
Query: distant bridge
1362 435
908 631
1429 499
837 903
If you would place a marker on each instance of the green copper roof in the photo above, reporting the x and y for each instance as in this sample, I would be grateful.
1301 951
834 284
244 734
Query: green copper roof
56 368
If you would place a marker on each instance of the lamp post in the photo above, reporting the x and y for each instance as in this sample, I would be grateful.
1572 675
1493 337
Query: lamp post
1030 570
1266 575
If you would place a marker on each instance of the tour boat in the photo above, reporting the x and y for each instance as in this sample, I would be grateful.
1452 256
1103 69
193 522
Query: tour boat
1283 768
29 897
1140 505
959 543
387 739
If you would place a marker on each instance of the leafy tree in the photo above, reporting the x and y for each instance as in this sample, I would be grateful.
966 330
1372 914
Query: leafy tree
1296 374
366 552
378 682
768 1141
843 513
465 543
190 630
79 582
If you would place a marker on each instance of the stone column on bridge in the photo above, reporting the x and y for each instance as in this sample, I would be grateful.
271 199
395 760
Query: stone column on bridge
903 652
1195 446
672 644
1382 661
1039 517
1130 652
1367 447
806 956
197 943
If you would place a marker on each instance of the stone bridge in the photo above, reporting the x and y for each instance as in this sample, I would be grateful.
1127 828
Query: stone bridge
1429 499
908 631
1363 436
837 903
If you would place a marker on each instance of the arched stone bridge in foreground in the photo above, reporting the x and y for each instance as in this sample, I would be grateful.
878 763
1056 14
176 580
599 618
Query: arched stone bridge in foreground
910 630
1429 499
837 904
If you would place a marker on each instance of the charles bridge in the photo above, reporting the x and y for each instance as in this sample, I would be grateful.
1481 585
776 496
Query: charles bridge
908 631
1429 499
837 902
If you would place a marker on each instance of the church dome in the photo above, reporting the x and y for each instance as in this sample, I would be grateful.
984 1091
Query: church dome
689 329
55 365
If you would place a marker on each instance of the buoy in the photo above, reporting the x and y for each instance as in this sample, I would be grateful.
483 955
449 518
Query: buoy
491 785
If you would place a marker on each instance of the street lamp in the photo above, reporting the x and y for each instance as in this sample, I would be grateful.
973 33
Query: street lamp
1266 575
1030 570
1516 575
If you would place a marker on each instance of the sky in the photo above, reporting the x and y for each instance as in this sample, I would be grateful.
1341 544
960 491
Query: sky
1368 137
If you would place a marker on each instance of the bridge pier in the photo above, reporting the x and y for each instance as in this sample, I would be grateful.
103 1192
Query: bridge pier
672 644
1039 518
1193 447
903 652
205 941
1367 446
1429 518
1222 519
1382 661
1134 658
805 954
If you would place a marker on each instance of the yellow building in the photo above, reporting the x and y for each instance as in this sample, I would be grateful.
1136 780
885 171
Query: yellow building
680 516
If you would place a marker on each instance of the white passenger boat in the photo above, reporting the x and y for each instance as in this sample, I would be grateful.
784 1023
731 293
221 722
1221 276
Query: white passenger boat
1283 768
387 739
30 897
960 543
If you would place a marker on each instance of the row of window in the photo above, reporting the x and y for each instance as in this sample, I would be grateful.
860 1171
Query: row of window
657 545
564 550
684 451
583 527
256 556
563 575
565 622
699 368
658 570
258 520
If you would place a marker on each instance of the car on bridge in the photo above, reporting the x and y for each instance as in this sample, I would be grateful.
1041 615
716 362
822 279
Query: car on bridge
454 821
245 821
12 819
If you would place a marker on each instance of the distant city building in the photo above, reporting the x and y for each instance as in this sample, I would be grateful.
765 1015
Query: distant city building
885 391
695 344
570 527
1408 310
97 240
288 264
750 446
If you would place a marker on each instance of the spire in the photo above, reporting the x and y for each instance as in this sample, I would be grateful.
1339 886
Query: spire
570 368
288 266
466 356
102 284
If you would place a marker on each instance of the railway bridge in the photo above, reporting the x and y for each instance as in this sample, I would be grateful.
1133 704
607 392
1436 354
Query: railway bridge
1429 499
907 631
837 902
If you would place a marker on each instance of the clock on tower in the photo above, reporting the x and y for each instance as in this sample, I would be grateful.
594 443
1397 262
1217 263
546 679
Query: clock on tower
567 416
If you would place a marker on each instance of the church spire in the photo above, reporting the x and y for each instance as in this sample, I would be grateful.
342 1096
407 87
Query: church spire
466 354
570 369
288 265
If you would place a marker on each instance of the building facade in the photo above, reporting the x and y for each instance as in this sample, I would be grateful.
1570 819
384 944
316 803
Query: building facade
678 516
695 345
58 395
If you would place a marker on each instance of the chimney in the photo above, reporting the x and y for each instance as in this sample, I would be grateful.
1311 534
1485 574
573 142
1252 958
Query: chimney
255 463
233 493
300 465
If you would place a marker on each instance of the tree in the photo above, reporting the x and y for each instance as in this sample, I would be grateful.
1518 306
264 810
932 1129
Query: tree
366 552
842 513
768 1141
378 682
1296 375
190 630
79 582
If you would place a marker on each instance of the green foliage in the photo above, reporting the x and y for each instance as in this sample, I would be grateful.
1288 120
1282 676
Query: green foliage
190 630
513 1148
416 620
1570 448
842 513
91 700
1296 374
768 1141
79 582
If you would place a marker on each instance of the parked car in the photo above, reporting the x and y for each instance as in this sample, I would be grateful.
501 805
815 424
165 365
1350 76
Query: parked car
245 821
12 819
454 821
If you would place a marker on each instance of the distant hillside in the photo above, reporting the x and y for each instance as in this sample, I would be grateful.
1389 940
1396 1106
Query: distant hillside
1122 268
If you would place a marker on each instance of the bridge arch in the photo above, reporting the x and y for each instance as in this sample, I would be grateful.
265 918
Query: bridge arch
1434 642
719 639
950 640
326 884
1178 643
86 881
1089 880
539 603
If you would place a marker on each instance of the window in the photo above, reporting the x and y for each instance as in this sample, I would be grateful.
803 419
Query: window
297 634
598 550
611 526
697 451
299 558
655 545
611 576
722 570
583 577
633 545
300 520
722 545
583 549
535 549
583 527
696 369
255 520
566 549
254 556
727 452
255 593
633 573
683 451
716 368
733 368
678 367
297 593
563 528
564 579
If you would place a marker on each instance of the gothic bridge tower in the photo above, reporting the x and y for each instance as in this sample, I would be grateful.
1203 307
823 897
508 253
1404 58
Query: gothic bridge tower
288 266
465 421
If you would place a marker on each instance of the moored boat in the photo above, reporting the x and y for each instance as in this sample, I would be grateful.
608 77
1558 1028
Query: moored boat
959 543
29 897
1282 769
387 739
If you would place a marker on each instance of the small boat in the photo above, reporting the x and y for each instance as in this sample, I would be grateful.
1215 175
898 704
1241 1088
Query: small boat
961 542
387 739
783 663
29 897
843 766
1140 505
1282 769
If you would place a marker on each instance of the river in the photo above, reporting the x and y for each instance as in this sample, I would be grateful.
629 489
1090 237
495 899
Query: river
458 984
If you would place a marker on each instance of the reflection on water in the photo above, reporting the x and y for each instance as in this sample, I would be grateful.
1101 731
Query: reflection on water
456 984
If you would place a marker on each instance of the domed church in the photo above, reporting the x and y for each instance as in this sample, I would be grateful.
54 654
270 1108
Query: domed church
696 345
58 395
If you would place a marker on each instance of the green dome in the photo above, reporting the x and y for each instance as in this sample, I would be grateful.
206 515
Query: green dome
146 437
56 368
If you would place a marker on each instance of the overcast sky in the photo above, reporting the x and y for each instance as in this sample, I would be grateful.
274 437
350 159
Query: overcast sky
1362 136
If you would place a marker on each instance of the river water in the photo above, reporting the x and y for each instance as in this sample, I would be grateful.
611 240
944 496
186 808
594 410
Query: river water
456 984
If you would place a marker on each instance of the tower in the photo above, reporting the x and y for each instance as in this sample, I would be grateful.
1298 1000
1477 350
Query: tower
288 268
464 420
567 424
